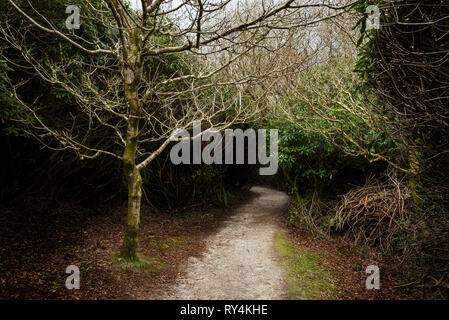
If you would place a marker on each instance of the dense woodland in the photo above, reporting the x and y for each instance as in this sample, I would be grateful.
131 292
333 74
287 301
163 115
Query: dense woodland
87 117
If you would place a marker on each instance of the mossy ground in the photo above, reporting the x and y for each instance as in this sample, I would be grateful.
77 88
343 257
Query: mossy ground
143 264
306 278
170 242
155 264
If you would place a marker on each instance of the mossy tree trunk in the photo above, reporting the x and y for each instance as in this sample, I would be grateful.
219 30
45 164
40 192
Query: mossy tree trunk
132 73
134 183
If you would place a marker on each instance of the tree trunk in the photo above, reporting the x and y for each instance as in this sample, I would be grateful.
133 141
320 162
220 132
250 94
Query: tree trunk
132 74
132 174
131 241
134 183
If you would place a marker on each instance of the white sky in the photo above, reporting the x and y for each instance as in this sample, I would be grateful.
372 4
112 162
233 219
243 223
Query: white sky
136 4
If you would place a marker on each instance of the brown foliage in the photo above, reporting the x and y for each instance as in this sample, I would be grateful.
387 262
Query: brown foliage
377 213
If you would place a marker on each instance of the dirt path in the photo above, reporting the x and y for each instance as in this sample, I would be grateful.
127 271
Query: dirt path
240 262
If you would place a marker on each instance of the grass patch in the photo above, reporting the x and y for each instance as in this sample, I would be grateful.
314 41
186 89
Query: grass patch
146 265
306 278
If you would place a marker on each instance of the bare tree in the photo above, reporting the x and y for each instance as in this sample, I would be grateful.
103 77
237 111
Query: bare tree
324 95
129 93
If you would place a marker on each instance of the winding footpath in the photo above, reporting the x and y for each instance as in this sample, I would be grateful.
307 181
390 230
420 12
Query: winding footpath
240 262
